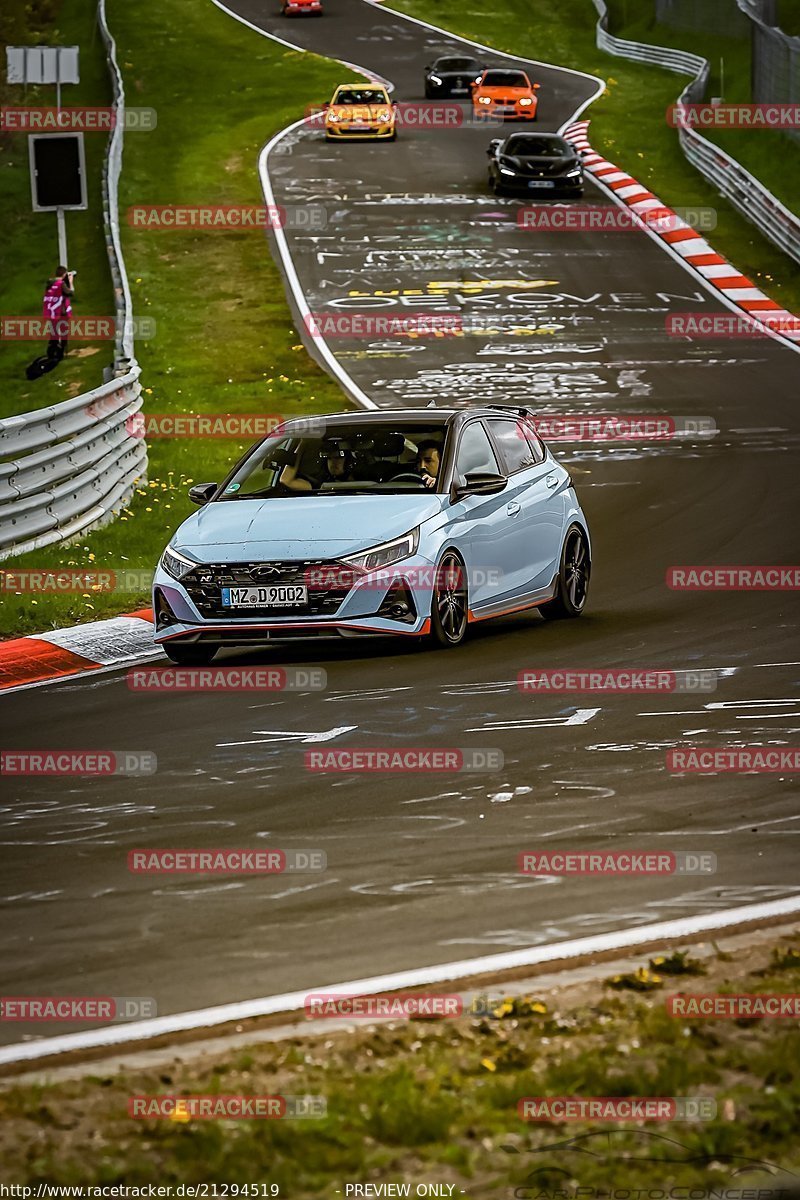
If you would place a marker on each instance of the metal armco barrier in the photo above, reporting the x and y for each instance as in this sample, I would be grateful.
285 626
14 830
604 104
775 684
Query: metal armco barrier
728 176
69 468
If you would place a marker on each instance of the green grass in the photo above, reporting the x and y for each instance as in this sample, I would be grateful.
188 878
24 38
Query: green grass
224 342
768 154
31 251
437 1101
628 123
789 17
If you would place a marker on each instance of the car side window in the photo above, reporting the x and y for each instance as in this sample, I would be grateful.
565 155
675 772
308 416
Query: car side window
513 444
535 442
475 453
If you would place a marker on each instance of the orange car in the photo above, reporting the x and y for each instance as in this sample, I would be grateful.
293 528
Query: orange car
505 94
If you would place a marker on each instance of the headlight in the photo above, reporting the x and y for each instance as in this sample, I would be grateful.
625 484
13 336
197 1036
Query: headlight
484 100
176 564
507 171
386 554
435 79
526 100
384 115
331 116
573 174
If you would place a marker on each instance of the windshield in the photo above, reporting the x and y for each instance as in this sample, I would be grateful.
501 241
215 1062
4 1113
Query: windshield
537 147
457 64
360 96
506 79
343 459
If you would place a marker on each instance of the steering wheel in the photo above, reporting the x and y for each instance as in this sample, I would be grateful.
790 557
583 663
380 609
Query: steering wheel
406 477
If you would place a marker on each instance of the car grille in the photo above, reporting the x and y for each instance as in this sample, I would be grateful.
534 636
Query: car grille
204 586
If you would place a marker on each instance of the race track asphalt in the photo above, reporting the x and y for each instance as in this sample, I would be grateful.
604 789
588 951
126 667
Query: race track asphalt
422 869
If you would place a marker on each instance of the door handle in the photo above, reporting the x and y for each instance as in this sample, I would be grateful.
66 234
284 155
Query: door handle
552 481
513 509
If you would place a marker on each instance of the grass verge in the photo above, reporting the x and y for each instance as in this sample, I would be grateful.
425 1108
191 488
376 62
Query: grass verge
437 1101
768 154
224 341
629 122
31 251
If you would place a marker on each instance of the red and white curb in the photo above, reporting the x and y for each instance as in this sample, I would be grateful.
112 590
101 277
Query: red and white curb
735 289
98 645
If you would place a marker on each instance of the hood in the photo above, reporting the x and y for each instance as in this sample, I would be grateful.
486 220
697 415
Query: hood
499 89
315 527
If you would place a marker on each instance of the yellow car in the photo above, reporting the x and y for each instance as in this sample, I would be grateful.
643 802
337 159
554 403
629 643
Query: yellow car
359 111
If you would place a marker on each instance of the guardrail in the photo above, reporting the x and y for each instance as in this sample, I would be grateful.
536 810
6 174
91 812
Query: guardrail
729 177
70 467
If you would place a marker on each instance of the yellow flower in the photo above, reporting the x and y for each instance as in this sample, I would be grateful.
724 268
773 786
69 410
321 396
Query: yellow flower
489 1064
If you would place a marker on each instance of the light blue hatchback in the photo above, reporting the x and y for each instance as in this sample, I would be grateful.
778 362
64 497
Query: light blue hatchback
414 522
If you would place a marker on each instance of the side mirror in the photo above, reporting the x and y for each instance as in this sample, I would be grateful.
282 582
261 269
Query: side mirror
494 145
477 484
536 87
201 493
325 104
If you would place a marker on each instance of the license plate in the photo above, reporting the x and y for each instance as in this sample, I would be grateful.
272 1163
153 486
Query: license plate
276 595
360 128
537 183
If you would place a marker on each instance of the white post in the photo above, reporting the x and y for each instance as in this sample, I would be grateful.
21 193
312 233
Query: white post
62 238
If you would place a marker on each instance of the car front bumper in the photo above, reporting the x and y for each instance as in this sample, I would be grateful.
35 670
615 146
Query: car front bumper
362 610
500 113
522 184
338 133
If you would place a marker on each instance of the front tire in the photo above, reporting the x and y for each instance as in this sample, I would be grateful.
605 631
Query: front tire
450 602
193 655
573 578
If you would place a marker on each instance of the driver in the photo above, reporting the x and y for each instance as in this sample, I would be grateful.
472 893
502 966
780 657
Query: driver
428 462
338 465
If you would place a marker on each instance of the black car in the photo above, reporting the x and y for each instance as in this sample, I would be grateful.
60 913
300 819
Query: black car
539 164
451 75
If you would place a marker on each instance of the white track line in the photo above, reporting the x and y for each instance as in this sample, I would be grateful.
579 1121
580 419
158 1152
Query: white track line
492 964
